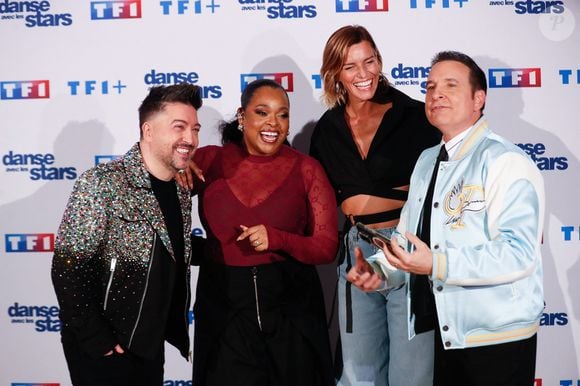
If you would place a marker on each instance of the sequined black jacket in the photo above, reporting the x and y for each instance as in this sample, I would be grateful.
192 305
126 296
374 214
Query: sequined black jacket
103 253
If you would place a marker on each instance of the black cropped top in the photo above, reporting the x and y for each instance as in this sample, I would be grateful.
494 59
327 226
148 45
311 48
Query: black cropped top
403 134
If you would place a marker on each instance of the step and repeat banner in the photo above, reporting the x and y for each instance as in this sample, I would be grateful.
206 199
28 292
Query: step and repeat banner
72 74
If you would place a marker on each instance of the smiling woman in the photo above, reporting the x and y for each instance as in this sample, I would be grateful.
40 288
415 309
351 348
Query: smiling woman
265 121
368 141
270 217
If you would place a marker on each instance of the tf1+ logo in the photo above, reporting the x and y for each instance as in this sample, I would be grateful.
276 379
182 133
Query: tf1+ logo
362 5
570 232
514 77
33 242
568 382
285 79
567 77
24 89
106 10
184 6
442 3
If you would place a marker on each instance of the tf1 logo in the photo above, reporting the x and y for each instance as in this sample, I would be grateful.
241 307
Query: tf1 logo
515 77
106 10
285 79
37 242
362 5
25 89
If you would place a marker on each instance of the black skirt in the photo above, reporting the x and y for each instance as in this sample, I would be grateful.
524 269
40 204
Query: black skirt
262 325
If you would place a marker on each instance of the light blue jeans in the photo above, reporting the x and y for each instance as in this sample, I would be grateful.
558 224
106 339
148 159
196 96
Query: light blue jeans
377 351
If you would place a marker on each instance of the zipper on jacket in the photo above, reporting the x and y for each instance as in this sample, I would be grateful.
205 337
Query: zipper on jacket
144 291
255 277
111 274
187 300
187 290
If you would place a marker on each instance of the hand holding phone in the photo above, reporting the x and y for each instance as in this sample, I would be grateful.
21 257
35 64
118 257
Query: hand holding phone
378 261
371 236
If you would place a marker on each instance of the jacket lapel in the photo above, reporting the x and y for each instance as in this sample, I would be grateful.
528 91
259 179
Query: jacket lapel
151 210
185 204
146 202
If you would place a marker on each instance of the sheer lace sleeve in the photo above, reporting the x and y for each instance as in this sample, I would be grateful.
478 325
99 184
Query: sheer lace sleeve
319 244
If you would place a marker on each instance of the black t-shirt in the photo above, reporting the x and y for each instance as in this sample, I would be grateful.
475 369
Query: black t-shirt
166 194
163 306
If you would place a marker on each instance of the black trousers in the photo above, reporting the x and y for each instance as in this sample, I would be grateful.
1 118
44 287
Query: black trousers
506 364
270 332
246 356
113 370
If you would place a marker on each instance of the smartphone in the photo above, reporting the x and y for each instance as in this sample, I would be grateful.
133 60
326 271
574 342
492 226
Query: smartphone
371 236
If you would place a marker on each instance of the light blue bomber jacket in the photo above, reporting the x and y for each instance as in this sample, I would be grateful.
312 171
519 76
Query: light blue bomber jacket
486 230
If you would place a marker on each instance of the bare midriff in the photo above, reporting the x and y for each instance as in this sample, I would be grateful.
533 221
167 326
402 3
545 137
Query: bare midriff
367 204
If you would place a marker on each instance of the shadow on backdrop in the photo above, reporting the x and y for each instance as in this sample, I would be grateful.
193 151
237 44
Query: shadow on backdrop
26 276
504 109
74 151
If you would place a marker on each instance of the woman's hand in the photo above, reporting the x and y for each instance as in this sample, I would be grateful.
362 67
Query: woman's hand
184 177
257 236
362 274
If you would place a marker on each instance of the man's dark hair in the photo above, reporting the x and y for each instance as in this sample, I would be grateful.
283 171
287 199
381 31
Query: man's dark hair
477 77
158 96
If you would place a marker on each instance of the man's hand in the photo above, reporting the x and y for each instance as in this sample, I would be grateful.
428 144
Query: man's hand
184 177
419 262
118 349
362 274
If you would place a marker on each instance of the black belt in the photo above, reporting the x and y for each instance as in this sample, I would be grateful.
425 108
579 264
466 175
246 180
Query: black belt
373 218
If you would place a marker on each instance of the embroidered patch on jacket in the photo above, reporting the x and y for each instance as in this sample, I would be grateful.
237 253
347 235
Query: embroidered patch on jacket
463 199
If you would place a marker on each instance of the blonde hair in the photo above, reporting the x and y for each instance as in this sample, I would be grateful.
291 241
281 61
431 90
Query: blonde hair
333 57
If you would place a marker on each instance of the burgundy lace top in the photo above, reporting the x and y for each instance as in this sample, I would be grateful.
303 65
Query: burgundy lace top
288 192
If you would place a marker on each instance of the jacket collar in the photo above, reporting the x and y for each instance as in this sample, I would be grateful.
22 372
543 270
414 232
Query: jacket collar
479 131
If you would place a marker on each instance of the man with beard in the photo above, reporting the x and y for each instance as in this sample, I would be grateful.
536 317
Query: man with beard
122 254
